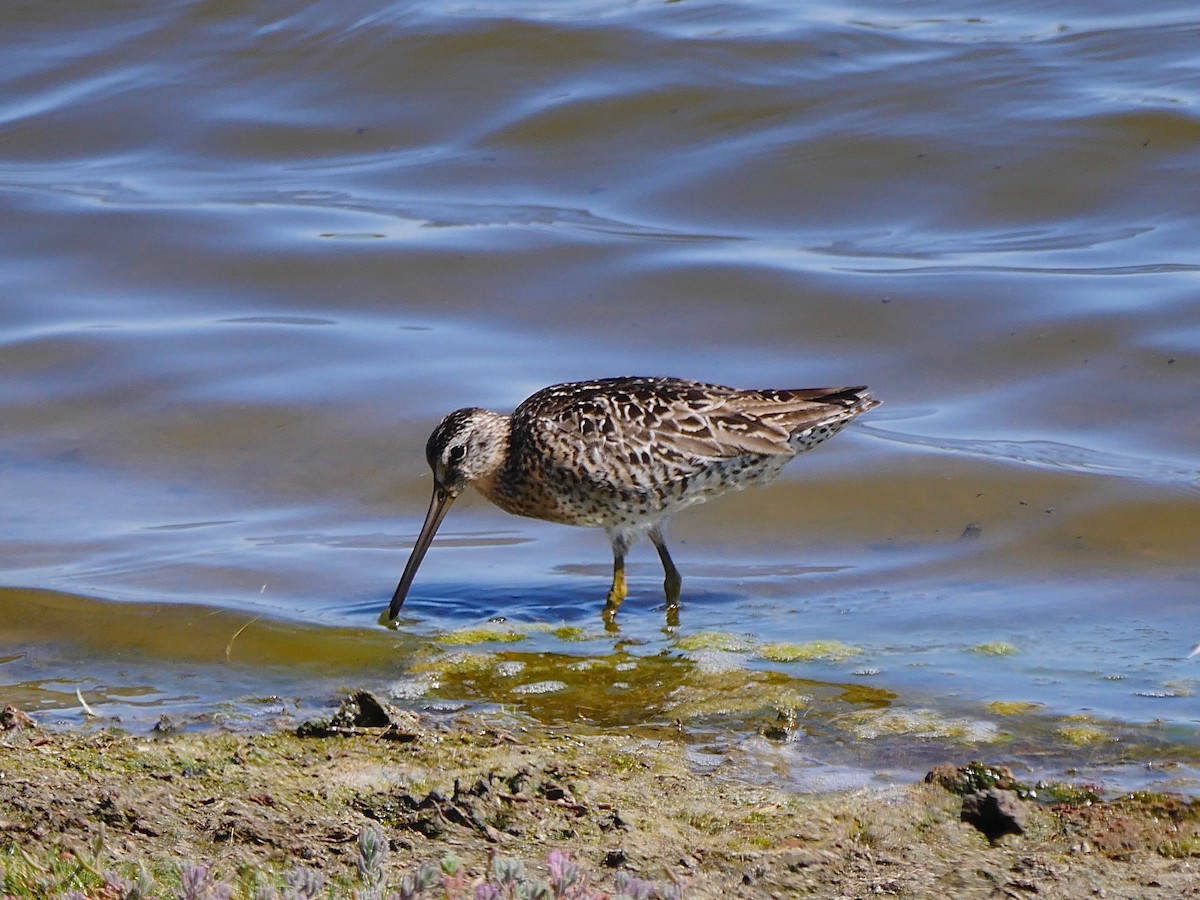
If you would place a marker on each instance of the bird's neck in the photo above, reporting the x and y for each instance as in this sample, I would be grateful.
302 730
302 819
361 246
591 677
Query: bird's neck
491 448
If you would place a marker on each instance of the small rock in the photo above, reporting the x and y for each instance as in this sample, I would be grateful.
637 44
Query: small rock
519 781
784 728
612 821
945 775
480 788
434 799
995 812
615 858
363 711
975 776
11 718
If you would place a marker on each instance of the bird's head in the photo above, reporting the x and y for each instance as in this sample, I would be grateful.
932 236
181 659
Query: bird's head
467 447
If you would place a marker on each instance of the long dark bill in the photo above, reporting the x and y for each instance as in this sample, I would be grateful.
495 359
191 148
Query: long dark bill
433 518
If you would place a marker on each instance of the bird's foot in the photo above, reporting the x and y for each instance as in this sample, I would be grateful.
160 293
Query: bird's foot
672 585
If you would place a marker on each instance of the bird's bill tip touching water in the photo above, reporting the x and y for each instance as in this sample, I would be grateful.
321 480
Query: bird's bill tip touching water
438 507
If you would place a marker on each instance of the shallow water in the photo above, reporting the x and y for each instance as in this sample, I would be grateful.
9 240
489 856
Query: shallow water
251 254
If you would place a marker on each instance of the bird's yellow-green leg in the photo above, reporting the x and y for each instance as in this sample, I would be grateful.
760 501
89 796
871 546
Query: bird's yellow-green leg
619 590
673 581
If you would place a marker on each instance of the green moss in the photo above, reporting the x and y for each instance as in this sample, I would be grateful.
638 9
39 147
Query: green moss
976 776
709 823
1167 807
624 762
1067 794
1182 849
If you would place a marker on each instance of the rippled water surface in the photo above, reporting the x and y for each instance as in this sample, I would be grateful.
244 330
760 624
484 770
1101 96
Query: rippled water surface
251 253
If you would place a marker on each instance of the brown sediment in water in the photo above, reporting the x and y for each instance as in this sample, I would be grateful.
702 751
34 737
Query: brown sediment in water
480 786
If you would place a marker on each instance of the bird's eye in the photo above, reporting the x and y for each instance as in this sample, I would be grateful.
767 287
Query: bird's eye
456 454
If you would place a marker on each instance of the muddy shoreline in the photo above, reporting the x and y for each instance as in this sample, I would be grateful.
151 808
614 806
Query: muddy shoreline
484 786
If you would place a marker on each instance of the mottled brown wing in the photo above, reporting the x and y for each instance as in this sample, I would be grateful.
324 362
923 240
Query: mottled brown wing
671 426
732 423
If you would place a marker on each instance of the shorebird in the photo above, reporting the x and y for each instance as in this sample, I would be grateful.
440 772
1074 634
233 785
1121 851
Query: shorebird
623 454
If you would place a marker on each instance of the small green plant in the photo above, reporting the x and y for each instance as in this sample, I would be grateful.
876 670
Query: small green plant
140 888
197 882
449 879
372 856
299 884
504 879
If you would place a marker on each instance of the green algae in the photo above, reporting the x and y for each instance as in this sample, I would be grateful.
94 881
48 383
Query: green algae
481 634
437 664
716 684
540 687
920 723
645 693
570 633
1180 687
829 651
738 693
513 633
1012 707
1082 733
995 648
771 651
714 640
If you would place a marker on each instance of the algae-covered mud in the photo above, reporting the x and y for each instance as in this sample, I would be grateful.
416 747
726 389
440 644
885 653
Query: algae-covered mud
372 799
702 763
708 763
819 714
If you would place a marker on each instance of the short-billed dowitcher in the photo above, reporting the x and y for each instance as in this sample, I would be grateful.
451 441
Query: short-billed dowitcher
623 454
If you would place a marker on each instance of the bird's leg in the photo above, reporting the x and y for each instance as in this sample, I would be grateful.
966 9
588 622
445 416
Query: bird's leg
674 581
619 590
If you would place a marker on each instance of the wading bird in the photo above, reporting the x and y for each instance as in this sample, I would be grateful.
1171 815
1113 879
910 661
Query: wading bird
624 454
